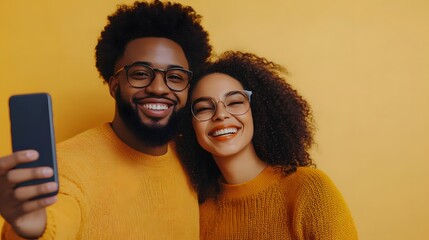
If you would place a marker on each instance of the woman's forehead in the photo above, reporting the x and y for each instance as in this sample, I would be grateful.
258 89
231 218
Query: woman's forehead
215 85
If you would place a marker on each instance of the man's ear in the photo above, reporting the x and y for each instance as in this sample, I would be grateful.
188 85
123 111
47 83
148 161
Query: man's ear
113 86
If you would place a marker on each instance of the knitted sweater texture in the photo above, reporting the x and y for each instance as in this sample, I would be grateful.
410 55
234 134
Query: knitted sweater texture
111 191
302 205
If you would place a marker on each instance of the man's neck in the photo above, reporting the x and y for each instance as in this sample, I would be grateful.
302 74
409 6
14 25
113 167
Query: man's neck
131 140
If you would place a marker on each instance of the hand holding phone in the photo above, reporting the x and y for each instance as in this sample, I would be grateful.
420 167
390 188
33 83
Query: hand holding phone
28 179
32 128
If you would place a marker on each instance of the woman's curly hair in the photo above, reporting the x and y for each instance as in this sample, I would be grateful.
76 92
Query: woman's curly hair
283 124
174 21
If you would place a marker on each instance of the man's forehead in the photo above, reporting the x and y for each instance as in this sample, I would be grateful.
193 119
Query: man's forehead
156 51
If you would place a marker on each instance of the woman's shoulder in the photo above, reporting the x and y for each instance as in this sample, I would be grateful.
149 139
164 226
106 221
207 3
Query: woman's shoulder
311 173
320 204
309 179
307 173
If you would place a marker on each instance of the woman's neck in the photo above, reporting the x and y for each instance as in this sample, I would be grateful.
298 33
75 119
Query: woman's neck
241 167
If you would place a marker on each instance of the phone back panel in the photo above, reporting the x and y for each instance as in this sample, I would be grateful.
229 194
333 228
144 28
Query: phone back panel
32 128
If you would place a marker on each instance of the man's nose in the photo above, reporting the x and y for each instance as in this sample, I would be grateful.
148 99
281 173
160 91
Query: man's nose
158 86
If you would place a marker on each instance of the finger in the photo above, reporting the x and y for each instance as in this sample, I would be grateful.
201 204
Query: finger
38 204
10 161
29 192
25 174
34 205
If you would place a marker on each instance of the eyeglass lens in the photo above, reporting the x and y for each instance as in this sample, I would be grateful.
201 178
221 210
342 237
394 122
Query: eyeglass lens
236 103
142 76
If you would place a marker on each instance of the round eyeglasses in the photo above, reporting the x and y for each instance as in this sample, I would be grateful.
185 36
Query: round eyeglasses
235 102
140 75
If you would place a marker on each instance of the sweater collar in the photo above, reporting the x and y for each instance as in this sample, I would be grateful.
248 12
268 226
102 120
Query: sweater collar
130 153
254 186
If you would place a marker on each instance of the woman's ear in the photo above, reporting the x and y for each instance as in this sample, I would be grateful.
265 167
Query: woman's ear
113 86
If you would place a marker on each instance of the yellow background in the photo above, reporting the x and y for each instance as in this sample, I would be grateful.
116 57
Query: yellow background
362 64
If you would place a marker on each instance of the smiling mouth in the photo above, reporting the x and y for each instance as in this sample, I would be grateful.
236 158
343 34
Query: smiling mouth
224 131
156 106
155 110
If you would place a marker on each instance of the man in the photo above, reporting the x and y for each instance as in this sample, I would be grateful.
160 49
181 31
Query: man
121 180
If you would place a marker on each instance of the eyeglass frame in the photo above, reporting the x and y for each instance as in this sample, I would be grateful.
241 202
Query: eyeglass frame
216 102
154 70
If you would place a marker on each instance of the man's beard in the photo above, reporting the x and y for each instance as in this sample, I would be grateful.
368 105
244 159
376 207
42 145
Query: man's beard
153 135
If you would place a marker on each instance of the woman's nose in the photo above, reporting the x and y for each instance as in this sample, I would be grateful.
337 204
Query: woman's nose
220 112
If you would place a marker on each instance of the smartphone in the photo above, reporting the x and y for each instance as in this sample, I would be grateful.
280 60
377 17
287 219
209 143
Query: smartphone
32 128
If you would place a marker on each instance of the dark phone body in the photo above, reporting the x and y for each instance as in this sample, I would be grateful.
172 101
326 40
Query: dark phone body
32 128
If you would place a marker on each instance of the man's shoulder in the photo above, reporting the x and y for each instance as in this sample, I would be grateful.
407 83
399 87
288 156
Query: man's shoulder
88 135
88 140
76 152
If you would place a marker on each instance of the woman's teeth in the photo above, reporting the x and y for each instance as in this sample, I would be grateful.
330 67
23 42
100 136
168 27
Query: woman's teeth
224 132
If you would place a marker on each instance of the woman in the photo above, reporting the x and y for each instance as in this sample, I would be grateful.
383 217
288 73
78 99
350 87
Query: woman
247 151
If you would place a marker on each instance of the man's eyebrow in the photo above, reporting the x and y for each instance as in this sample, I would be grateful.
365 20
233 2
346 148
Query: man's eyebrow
141 63
175 66
150 64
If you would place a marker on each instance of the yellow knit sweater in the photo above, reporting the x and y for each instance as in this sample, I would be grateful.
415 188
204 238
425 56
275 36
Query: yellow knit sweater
111 191
302 205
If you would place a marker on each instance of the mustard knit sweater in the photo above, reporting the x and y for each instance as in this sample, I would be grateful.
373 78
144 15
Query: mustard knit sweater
111 191
302 205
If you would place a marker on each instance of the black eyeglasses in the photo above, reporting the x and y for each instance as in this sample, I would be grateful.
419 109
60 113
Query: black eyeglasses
140 75
235 103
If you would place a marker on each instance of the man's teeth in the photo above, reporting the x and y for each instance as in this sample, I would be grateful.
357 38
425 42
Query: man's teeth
152 106
224 131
